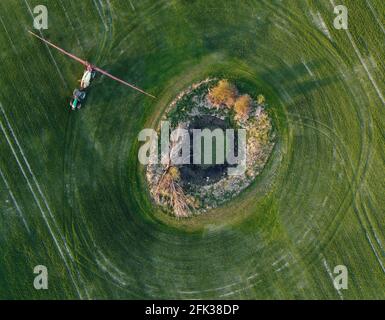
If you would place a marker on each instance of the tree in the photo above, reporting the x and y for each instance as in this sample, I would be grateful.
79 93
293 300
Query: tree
223 93
170 190
242 106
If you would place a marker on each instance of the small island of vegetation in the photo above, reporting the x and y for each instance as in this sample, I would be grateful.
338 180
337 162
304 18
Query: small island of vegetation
187 189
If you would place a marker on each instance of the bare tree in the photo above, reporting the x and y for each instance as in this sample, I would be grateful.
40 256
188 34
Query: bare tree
169 187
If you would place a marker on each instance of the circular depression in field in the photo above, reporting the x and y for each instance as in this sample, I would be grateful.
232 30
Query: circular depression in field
214 141
255 245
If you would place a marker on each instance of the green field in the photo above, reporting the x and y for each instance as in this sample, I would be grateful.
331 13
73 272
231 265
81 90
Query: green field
73 195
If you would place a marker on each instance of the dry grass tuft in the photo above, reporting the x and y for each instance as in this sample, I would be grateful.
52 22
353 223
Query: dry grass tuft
242 106
223 94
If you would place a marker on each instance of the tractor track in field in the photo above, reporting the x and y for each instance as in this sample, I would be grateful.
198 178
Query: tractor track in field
70 142
363 63
370 232
357 174
72 25
49 50
358 53
15 203
68 250
360 170
375 16
364 160
332 226
99 11
316 198
308 255
38 195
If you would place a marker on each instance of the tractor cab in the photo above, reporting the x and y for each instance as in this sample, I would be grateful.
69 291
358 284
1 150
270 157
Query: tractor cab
78 97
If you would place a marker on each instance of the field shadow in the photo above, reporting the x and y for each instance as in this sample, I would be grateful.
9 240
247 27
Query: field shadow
299 78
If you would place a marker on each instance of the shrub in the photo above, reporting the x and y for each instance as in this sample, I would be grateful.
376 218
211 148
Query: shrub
261 99
261 129
223 93
242 106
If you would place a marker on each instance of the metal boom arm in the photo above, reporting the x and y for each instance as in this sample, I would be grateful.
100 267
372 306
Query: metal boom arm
93 67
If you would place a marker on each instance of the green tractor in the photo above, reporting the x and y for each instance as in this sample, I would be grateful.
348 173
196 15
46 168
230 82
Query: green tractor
78 98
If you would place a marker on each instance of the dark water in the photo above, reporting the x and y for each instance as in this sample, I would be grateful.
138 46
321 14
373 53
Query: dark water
204 174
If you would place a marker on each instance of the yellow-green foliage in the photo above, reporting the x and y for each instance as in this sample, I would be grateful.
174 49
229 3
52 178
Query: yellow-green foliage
260 99
193 202
223 93
174 173
261 129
